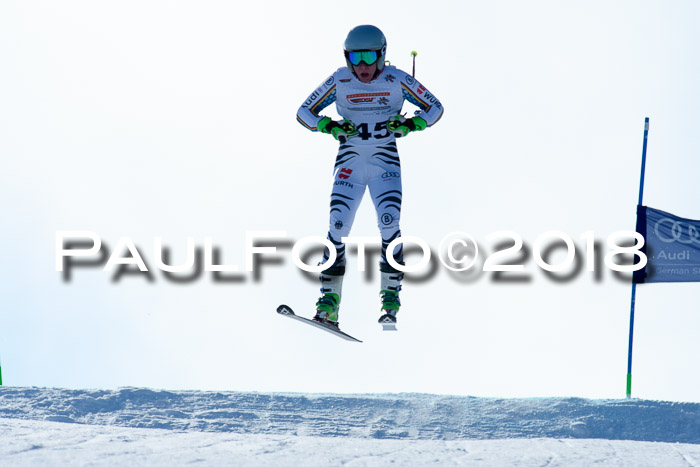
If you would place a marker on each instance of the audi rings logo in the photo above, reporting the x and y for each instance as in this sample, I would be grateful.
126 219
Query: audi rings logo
391 175
670 231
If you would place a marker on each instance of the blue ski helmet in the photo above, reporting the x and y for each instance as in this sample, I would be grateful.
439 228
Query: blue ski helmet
366 37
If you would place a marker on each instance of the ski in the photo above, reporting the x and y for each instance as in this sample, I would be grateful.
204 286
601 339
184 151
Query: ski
388 322
287 311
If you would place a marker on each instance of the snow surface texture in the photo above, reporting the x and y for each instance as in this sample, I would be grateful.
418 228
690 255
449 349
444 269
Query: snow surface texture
162 427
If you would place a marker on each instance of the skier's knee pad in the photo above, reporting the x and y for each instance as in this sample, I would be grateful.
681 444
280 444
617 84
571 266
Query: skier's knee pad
340 224
388 222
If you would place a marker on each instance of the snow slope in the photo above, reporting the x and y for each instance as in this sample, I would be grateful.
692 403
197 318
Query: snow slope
145 426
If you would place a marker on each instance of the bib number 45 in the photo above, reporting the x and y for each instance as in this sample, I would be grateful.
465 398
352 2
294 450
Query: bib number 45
380 131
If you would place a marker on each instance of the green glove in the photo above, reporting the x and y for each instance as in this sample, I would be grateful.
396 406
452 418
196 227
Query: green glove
401 126
341 130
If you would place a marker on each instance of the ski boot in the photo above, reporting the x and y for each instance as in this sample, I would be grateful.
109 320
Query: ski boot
328 304
327 309
391 286
390 306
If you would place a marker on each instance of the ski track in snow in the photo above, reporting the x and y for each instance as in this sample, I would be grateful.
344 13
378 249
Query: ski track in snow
146 426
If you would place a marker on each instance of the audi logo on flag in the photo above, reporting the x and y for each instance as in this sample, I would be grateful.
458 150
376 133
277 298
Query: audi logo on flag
670 231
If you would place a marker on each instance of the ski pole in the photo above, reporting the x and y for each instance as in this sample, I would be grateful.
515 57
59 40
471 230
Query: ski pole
413 54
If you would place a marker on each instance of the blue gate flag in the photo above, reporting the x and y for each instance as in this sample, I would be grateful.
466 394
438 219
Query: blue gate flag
672 247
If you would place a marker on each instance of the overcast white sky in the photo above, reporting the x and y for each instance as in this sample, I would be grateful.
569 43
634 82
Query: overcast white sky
177 119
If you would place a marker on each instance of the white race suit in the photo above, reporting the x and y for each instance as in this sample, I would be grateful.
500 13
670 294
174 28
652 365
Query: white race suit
371 158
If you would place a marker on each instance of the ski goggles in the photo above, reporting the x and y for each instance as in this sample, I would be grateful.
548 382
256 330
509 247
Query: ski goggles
367 56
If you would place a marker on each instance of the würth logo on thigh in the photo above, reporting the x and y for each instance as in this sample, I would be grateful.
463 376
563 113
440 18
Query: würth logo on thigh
344 174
